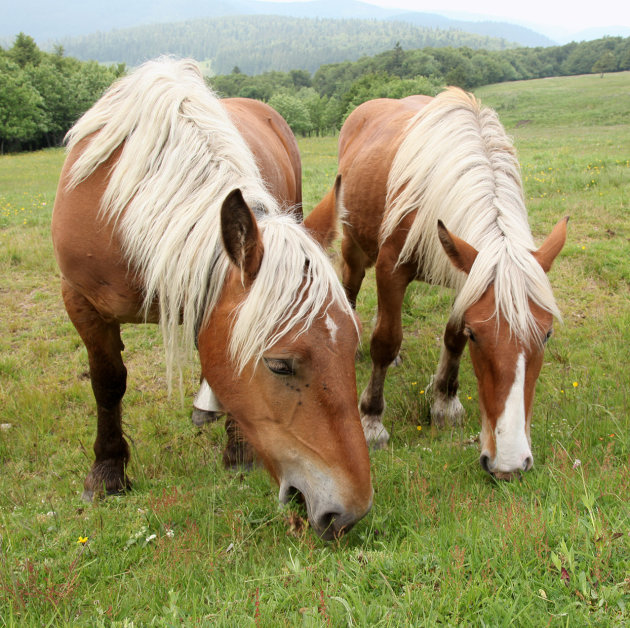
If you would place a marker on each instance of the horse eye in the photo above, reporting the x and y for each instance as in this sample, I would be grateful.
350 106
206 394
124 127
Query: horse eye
279 367
549 334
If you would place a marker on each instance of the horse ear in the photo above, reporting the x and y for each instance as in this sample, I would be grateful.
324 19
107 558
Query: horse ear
552 245
461 254
321 223
241 236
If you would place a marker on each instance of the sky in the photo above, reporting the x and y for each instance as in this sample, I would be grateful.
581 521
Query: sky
569 15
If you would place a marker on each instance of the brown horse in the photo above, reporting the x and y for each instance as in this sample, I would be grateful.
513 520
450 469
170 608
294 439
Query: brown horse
162 216
409 167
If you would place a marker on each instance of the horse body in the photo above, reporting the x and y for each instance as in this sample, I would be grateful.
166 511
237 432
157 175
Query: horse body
165 214
406 166
275 149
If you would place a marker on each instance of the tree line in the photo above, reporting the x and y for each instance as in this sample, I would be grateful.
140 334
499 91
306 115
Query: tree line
320 103
43 94
260 43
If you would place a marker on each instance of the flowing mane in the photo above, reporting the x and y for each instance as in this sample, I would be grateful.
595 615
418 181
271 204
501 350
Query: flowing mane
180 157
457 164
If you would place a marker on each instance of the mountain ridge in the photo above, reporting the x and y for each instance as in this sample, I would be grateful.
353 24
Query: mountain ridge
82 17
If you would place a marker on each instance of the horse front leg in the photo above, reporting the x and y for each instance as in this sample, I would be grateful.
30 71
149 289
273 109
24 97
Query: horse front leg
238 454
109 380
446 407
391 284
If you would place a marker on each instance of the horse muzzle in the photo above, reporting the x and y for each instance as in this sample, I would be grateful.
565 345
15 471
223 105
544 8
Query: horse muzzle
328 516
506 470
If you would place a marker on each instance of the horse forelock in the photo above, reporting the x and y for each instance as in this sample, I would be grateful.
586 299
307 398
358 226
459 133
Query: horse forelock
296 285
457 164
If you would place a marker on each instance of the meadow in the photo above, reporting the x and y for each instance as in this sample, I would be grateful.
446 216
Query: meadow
195 545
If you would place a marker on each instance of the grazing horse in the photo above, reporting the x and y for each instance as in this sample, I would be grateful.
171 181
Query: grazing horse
409 169
162 216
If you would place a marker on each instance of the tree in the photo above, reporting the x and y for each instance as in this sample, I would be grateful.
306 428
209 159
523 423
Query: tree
606 63
25 51
294 111
22 117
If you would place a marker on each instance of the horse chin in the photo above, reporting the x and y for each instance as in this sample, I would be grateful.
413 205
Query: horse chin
507 476
492 469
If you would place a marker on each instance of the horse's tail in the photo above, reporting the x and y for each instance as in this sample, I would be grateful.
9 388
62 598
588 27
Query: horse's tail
322 222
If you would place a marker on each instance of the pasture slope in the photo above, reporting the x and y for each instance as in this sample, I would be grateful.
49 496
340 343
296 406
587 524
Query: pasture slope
444 544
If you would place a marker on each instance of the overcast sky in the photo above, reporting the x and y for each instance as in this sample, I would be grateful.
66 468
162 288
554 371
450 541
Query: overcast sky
567 14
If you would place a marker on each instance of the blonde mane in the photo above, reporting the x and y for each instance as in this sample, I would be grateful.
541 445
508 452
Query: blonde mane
457 164
181 155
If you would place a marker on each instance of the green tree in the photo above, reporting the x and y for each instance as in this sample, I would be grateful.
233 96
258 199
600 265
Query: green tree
606 63
25 51
22 117
294 111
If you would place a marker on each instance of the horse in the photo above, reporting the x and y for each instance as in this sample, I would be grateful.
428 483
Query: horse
162 216
431 191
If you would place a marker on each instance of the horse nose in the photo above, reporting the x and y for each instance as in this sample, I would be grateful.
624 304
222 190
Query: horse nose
332 524
484 461
490 466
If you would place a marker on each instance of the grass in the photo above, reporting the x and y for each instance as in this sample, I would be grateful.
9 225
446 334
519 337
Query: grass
195 545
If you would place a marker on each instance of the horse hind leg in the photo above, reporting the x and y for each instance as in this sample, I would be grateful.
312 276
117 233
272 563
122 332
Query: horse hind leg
446 407
354 264
109 380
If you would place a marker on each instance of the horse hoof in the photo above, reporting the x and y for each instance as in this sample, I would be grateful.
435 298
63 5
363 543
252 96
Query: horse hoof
201 417
90 496
447 411
106 478
376 435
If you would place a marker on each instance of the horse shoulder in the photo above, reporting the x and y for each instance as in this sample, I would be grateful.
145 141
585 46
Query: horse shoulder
88 248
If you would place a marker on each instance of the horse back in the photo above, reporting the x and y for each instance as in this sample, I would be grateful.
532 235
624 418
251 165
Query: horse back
274 146
368 142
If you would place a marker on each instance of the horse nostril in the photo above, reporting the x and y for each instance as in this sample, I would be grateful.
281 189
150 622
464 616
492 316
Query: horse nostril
528 463
332 525
484 461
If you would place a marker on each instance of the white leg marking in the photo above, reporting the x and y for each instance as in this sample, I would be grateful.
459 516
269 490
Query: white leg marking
206 407
446 410
375 433
206 399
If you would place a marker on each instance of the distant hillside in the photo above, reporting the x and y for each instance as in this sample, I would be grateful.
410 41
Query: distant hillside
261 43
47 21
510 32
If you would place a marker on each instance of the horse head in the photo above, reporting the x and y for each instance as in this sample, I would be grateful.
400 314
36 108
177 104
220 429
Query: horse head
506 364
295 398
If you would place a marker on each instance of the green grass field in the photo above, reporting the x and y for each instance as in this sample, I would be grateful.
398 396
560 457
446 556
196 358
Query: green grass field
194 545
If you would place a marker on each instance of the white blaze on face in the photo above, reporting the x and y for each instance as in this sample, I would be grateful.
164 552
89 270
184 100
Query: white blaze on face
332 327
512 447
